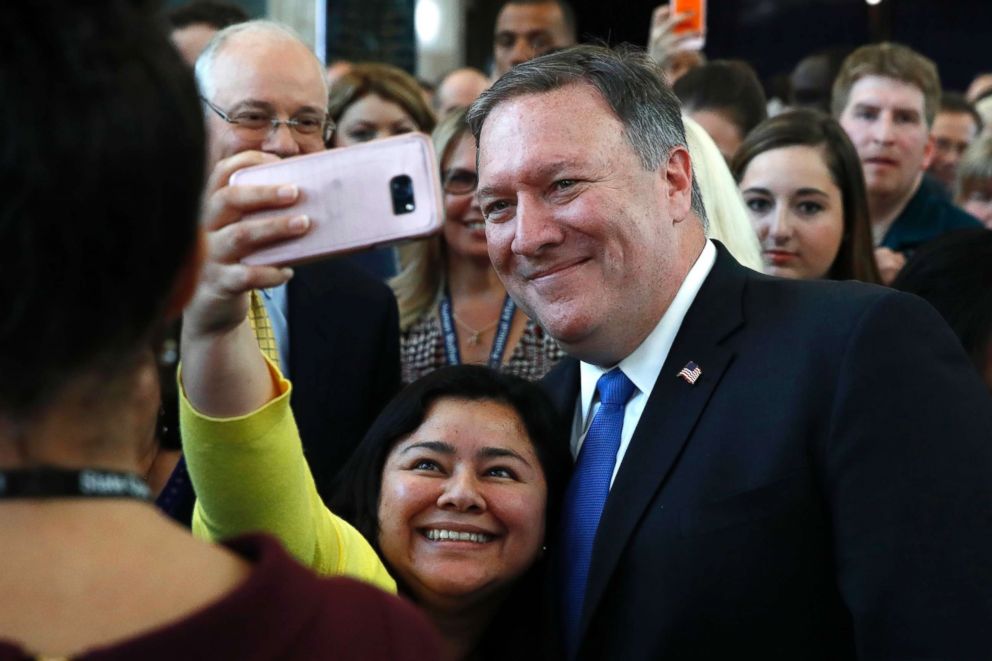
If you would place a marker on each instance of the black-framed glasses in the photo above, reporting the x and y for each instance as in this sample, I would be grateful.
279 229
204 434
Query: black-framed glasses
259 124
459 182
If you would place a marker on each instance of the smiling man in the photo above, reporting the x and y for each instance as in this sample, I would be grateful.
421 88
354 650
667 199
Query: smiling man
756 473
886 97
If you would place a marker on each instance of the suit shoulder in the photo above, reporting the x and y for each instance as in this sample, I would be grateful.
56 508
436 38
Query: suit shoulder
339 275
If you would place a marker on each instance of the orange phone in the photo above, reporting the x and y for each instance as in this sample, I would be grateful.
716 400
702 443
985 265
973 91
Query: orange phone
373 194
694 25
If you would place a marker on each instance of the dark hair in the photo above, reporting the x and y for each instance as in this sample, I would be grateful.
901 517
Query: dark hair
813 77
102 168
217 15
856 258
952 102
356 497
626 78
729 87
954 274
567 12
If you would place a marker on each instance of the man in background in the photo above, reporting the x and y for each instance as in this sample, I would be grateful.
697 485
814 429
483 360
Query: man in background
886 97
194 25
955 127
528 28
459 89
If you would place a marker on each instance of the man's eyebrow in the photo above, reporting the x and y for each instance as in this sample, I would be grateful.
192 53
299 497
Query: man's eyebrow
437 446
541 172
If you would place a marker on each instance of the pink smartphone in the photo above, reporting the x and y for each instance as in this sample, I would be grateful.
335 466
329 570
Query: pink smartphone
373 194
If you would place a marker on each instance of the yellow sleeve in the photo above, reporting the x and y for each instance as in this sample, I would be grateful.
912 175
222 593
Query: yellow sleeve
250 475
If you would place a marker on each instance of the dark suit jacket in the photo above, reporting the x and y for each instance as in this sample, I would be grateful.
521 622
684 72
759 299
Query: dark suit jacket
344 355
823 491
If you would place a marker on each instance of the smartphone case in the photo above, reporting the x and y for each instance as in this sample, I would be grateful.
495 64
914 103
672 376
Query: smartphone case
351 196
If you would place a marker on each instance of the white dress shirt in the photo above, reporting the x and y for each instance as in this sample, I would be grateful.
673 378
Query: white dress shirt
643 365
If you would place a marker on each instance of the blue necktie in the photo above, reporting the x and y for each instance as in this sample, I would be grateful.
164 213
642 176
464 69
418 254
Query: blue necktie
586 496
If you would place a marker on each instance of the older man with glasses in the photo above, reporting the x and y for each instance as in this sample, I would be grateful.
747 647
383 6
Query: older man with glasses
332 328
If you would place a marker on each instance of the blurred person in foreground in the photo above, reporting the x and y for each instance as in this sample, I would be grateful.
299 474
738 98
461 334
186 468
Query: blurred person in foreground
954 274
802 184
974 185
527 28
750 450
955 127
886 97
91 569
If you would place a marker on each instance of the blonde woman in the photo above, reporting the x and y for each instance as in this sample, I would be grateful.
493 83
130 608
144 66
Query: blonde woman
453 308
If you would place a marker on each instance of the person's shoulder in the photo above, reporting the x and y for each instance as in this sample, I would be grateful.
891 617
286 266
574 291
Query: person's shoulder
955 218
817 295
337 616
339 275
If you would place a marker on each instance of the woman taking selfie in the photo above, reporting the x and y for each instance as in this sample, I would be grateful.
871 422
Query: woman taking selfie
451 491
803 186
453 308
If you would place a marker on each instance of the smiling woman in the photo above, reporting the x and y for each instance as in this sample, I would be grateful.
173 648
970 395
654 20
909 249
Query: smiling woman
452 488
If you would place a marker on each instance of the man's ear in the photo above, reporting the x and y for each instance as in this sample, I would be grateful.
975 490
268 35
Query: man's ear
677 173
928 151
187 278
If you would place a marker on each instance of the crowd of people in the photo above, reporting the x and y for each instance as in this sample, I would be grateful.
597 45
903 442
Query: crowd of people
658 389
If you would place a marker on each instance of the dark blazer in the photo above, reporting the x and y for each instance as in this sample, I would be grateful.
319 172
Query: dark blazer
344 355
824 490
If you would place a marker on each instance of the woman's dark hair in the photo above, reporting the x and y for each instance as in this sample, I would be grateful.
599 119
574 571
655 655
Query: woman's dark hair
102 166
855 258
729 87
954 274
522 618
356 498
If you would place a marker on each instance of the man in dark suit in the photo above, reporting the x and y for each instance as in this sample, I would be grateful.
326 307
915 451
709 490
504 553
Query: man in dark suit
336 328
765 468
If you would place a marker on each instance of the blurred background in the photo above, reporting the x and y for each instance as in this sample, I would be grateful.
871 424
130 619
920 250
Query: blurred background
430 37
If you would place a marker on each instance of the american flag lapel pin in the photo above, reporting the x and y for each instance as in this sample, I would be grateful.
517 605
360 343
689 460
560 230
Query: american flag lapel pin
690 373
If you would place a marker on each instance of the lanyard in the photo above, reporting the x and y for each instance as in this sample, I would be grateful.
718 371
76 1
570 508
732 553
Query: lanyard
49 482
499 341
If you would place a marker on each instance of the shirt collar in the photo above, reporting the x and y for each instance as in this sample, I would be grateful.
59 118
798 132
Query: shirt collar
644 364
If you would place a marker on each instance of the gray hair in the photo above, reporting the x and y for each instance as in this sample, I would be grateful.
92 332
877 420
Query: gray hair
628 81
205 62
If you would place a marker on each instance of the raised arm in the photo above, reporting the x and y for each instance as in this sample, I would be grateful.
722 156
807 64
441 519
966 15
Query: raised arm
224 373
241 443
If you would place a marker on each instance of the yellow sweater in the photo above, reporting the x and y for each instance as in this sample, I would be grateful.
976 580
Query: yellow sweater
250 475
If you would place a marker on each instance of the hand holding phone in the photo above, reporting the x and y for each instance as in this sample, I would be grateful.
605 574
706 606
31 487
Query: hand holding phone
372 194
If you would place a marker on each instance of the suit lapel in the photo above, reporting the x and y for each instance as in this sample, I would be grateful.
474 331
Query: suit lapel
671 413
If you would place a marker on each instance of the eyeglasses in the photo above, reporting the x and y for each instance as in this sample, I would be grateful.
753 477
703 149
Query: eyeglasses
458 181
258 124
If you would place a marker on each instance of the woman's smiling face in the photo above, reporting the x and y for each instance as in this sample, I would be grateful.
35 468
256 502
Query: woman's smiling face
462 505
